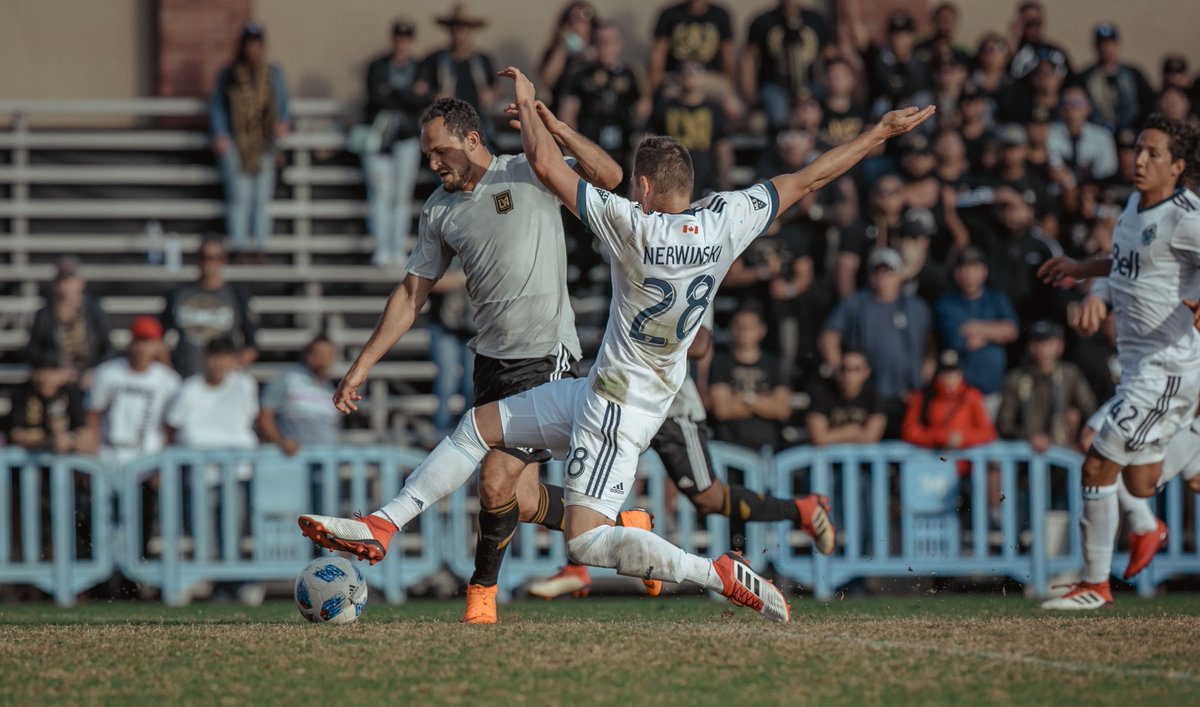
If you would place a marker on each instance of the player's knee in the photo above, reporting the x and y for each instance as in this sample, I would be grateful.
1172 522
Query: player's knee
1095 472
589 548
709 501
1194 484
1141 488
498 479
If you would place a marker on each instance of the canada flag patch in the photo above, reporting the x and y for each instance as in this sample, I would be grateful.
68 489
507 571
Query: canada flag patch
691 228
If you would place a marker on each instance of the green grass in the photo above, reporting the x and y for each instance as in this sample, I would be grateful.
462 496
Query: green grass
945 650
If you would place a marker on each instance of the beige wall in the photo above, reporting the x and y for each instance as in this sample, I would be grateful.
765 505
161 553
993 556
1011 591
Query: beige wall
84 48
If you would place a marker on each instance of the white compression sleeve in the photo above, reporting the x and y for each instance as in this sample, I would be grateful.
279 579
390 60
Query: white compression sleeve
634 552
447 467
1098 526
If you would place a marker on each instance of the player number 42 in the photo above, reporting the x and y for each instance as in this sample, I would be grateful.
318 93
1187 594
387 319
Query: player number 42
699 294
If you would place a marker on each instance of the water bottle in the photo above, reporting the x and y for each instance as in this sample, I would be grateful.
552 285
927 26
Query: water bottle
154 242
173 253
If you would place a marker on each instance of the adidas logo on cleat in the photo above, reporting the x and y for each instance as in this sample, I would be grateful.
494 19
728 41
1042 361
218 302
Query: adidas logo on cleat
619 488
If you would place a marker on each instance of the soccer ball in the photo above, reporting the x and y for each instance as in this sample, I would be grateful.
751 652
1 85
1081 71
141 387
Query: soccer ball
331 590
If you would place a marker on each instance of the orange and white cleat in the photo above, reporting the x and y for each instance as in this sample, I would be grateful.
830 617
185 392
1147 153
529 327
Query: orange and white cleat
571 579
815 520
481 605
1142 549
644 519
745 587
365 537
1082 596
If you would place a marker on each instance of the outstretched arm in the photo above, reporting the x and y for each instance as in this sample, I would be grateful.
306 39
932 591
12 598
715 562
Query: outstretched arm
541 150
833 164
592 163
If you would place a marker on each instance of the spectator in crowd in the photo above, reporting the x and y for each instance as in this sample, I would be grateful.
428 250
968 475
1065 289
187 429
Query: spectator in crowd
991 70
217 407
396 95
923 189
249 115
949 85
941 44
459 71
698 123
1046 400
1175 104
571 48
784 47
206 310
694 31
1175 73
47 412
878 228
606 99
451 328
923 276
1086 149
1042 89
1120 94
891 328
71 328
1015 256
296 409
975 126
848 411
843 117
1031 45
977 323
126 405
894 74
1014 173
750 398
949 413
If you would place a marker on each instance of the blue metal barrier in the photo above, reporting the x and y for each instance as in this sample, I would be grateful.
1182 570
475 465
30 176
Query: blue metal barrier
186 517
48 555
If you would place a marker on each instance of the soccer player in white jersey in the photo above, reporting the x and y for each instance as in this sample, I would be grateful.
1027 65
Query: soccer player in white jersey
1154 268
668 260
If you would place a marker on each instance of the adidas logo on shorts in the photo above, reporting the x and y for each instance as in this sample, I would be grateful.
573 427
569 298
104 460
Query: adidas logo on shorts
619 488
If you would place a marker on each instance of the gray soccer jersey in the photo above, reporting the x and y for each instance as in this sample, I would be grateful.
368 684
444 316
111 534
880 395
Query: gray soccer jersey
508 234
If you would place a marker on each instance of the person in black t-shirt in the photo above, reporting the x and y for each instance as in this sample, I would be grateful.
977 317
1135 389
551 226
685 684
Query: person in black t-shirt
1032 47
603 99
48 413
459 71
844 117
784 46
879 228
846 410
941 43
694 30
750 398
698 123
894 75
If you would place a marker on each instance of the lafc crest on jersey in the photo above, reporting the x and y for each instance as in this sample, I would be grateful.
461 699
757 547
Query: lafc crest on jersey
1149 234
504 202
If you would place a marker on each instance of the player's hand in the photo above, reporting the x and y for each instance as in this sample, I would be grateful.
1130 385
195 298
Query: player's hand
289 447
345 397
1091 313
1040 443
900 121
1193 305
1060 271
549 119
522 86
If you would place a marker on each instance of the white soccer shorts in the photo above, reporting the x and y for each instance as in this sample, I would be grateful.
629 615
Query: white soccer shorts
1146 413
600 440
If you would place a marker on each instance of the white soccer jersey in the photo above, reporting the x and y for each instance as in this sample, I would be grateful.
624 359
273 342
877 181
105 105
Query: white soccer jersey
131 406
666 269
1155 264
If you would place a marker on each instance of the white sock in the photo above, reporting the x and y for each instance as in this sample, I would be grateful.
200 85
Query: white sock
447 467
1098 528
1136 510
639 553
1183 455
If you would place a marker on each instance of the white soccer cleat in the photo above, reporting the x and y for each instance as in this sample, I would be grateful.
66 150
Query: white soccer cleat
1083 596
745 587
366 537
571 579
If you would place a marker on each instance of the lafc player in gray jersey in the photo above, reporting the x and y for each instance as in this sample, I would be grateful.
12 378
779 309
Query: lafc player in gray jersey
506 229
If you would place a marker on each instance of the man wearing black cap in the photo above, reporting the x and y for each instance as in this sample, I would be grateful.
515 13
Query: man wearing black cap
396 95
1121 96
977 323
459 71
1045 400
893 71
1031 45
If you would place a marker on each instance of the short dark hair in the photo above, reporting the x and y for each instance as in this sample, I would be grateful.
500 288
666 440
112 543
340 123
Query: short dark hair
944 7
1183 143
460 117
667 162
220 346
1031 5
318 339
854 351
211 239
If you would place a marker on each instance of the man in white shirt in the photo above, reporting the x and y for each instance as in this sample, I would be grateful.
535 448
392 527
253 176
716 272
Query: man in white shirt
216 409
129 396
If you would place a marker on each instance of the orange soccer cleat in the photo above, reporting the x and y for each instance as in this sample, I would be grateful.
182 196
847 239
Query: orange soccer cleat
365 537
814 520
1082 596
744 587
1142 548
481 605
571 579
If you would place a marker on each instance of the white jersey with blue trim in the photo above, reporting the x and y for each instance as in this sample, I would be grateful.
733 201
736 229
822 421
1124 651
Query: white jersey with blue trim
665 270
1155 265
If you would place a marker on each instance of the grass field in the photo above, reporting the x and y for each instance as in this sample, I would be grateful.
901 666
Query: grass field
943 650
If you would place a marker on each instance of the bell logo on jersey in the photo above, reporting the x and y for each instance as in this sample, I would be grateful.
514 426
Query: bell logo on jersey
1127 265
691 228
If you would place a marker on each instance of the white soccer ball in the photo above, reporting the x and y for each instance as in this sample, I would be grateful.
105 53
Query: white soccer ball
331 590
